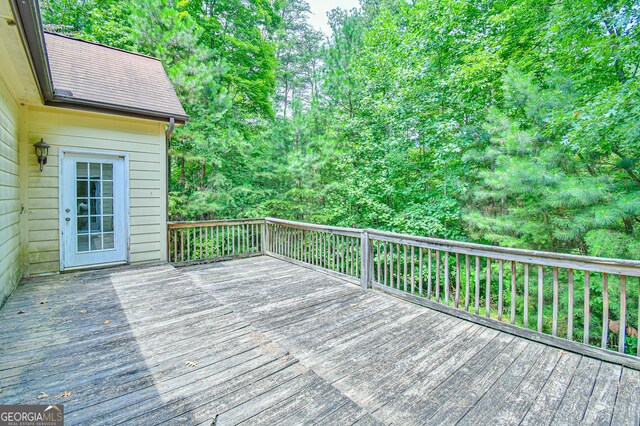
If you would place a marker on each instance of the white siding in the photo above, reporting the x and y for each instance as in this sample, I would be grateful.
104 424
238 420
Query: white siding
142 139
10 264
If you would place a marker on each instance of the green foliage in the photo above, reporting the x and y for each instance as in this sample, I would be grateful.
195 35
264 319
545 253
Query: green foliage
513 123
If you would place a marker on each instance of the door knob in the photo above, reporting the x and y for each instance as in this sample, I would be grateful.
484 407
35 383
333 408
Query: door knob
68 219
67 210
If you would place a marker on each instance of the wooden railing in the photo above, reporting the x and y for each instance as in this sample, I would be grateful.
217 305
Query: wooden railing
197 242
333 249
590 299
580 303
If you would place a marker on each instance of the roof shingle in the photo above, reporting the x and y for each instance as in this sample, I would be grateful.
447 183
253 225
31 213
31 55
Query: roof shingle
105 75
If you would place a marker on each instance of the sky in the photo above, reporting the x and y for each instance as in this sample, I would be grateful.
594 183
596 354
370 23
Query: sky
319 9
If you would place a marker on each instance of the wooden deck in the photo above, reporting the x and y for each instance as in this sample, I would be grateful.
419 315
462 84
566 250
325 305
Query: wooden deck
262 341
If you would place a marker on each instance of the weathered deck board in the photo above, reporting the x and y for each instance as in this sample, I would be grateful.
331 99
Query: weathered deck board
263 341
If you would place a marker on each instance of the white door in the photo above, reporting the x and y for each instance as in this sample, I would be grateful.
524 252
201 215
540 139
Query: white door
94 215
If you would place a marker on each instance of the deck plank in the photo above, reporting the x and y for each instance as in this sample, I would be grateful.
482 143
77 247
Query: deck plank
261 340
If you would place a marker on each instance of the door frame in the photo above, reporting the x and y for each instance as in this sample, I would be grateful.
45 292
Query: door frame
62 151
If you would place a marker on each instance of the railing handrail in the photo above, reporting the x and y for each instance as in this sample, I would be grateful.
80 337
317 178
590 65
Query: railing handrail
188 224
563 260
350 232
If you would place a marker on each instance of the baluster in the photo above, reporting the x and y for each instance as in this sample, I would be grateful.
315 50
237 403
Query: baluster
429 268
513 292
540 297
500 287
326 251
526 296
457 298
354 257
587 313
349 257
384 253
358 261
334 252
623 314
605 311
487 296
354 264
353 267
175 245
420 271
477 285
200 241
437 276
554 327
570 306
345 255
218 251
206 240
404 247
467 288
398 266
341 254
188 244
446 278
378 266
413 268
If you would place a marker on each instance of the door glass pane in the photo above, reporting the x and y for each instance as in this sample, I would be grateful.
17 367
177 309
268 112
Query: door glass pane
107 241
81 170
94 171
107 171
83 206
107 206
94 206
107 189
83 225
96 242
96 224
94 188
83 242
108 223
82 189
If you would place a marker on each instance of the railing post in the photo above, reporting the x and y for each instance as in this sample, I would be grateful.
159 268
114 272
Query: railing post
366 260
264 237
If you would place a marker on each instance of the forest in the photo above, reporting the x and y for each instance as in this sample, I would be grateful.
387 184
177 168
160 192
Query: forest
507 122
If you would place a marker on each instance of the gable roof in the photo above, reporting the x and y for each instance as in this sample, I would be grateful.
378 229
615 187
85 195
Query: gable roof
107 76
78 74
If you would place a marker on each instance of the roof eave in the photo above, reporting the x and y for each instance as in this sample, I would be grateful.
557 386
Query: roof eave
27 13
83 104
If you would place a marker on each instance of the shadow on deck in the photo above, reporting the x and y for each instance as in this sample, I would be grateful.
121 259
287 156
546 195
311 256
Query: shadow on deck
261 340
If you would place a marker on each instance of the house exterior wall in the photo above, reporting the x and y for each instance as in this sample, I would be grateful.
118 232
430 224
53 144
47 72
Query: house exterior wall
143 140
10 263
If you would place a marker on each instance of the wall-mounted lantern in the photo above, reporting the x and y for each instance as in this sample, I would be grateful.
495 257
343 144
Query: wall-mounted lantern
42 150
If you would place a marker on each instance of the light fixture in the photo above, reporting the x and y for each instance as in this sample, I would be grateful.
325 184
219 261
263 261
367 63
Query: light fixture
42 150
